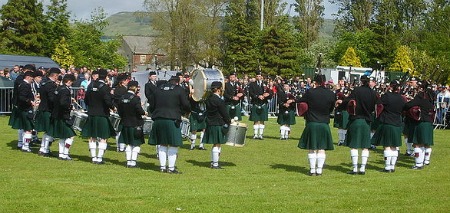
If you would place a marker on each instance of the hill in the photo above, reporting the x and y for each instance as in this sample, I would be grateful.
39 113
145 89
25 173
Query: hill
131 23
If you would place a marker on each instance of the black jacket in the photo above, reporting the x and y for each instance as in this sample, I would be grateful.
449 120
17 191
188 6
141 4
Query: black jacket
47 93
230 92
169 102
282 98
393 104
254 91
17 82
98 99
63 103
216 112
119 91
24 96
150 89
424 101
130 110
320 104
365 98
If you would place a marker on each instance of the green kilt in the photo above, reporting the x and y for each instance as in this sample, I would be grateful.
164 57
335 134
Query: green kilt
214 135
42 123
98 127
59 128
236 112
341 119
21 121
316 136
13 116
387 135
196 124
358 134
423 134
128 136
286 117
165 132
259 113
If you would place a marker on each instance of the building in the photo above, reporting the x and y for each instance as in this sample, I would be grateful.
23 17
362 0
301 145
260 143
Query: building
141 53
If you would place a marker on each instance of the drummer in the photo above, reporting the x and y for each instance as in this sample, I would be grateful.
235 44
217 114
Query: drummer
218 122
118 92
197 120
47 94
286 115
130 111
169 103
60 127
99 102
233 96
260 95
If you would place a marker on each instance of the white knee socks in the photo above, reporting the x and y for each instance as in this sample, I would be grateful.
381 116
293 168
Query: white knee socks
172 157
215 154
364 158
162 150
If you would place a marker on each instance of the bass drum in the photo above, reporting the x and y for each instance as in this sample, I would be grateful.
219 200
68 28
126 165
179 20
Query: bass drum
236 134
201 82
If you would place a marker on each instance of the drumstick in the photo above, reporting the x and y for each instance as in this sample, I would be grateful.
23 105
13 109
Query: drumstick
75 101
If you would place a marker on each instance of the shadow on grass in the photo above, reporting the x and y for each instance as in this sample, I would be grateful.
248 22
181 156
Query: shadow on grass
13 144
208 164
291 168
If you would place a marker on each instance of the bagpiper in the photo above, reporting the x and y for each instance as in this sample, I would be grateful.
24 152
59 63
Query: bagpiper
260 95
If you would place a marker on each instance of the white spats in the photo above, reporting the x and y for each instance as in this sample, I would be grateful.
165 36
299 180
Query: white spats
427 155
20 138
61 144
128 155
67 144
364 158
193 139
354 156
215 153
261 130
255 131
387 159
394 157
26 142
320 162
162 153
172 157
93 150
101 151
409 147
312 158
284 132
419 154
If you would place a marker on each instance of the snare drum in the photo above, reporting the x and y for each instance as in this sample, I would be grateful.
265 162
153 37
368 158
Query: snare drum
79 119
148 124
115 121
236 134
185 127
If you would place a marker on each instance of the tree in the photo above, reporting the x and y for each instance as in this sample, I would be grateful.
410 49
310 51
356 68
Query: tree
62 55
402 61
87 47
353 15
309 20
22 31
240 36
350 58
56 25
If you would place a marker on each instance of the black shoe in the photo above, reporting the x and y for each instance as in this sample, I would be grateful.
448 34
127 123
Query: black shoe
340 143
417 167
427 164
174 172
201 148
409 154
192 148
216 167
392 170
362 173
99 163
312 174
25 150
386 171
68 158
352 173
319 174
163 170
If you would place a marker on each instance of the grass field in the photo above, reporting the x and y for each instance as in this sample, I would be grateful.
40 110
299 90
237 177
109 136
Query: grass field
263 176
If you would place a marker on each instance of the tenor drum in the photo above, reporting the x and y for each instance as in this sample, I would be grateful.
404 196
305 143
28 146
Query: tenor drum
202 79
185 127
236 134
148 124
115 121
79 119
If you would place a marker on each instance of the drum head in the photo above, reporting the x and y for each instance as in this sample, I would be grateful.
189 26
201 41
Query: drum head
202 79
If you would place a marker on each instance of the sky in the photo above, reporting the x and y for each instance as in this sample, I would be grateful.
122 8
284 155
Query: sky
81 9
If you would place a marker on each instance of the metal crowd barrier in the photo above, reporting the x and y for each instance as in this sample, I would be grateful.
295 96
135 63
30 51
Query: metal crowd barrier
6 94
